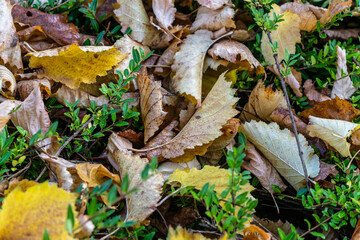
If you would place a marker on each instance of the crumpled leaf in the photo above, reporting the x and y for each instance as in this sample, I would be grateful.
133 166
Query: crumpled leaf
280 148
204 126
214 4
72 65
7 82
164 11
312 94
286 35
262 169
5 109
151 97
55 26
24 88
95 174
209 174
168 168
236 53
308 18
343 86
188 62
25 215
335 7
10 53
132 14
332 109
334 132
262 102
214 20
143 202
253 232
282 117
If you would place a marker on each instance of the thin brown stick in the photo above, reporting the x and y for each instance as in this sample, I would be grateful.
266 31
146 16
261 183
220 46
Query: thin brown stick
312 229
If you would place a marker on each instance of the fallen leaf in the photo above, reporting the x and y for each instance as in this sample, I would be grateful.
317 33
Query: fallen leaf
307 17
72 65
6 108
286 35
143 202
55 26
262 102
236 53
167 58
356 233
26 215
214 20
343 86
188 64
95 174
151 97
253 232
342 34
214 4
7 82
335 7
186 114
312 94
293 79
332 109
168 168
334 132
106 8
182 234
262 169
280 148
326 170
23 185
282 117
10 53
136 139
164 11
133 15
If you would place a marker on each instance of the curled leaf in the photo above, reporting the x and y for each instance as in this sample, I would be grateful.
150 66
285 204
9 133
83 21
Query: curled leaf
214 20
7 82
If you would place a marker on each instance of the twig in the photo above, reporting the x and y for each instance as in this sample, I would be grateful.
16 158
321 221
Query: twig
171 194
110 234
312 229
57 6
40 175
352 159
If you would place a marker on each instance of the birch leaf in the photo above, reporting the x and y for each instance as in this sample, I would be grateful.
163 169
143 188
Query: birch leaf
150 103
286 35
214 20
280 148
343 87
72 65
188 62
164 11
308 18
132 14
334 132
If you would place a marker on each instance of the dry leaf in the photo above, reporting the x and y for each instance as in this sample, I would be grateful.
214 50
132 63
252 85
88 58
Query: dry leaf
356 233
343 86
335 7
334 132
262 102
10 53
167 58
6 108
293 79
253 232
7 82
214 20
72 65
188 64
204 126
164 11
214 4
312 94
151 97
23 185
325 171
332 109
286 35
26 215
282 117
143 202
95 174
236 53
186 114
262 169
24 88
168 168
182 234
307 17
280 148
343 34
132 14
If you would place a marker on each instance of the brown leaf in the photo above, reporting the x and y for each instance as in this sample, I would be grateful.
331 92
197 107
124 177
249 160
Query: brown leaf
164 11
282 117
342 34
326 170
311 93
214 4
262 169
186 114
151 97
332 109
10 53
335 7
5 109
95 174
36 38
356 233
214 20
253 232
24 88
55 26
307 17
7 82
137 139
106 8
293 79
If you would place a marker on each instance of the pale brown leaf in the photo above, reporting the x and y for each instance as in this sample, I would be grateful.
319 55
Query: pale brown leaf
164 11
5 109
24 88
214 20
214 4
335 7
308 18
7 82
312 94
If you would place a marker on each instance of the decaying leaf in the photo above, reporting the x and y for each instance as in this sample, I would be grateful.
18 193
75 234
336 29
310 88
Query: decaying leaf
133 15
7 82
236 53
262 169
279 147
286 35
5 109
188 62
168 168
164 11
24 88
214 20
282 117
72 65
343 86
253 232
167 58
214 4
10 53
95 174
342 34
182 234
334 132
332 109
293 79
312 94
23 185
209 174
151 97
335 7
204 126
262 102
26 215
307 17
143 202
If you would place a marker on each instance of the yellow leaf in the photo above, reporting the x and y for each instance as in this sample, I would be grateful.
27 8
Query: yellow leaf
182 234
23 184
286 35
26 215
72 65
308 18
95 174
5 109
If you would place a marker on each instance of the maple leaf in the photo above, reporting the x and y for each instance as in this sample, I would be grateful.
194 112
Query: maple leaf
343 87
7 82
26 215
334 132
72 65
214 20
286 35
143 202
133 15
10 52
164 11
188 63
279 147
